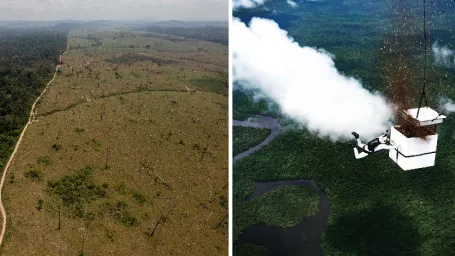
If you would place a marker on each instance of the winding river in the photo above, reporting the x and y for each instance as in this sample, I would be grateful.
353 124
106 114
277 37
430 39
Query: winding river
305 237
263 122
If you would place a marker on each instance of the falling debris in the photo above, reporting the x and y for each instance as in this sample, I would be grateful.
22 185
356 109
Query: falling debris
414 152
415 136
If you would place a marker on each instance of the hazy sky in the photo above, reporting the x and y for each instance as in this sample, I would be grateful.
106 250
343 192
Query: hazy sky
114 9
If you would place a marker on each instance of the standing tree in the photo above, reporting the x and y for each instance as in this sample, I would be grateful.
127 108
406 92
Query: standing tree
82 230
59 216
107 158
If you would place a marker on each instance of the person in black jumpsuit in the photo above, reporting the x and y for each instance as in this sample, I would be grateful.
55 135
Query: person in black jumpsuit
362 150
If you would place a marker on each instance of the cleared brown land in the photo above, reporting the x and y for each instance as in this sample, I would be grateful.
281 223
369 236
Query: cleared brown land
165 148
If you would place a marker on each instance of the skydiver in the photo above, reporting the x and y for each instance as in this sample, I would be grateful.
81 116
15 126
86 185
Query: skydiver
382 142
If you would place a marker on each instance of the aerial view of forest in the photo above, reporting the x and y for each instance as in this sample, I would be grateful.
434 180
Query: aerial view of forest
125 152
27 62
351 207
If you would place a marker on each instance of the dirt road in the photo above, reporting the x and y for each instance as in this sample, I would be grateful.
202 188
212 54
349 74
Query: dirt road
31 118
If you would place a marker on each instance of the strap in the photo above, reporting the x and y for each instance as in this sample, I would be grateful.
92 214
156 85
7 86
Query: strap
398 152
373 144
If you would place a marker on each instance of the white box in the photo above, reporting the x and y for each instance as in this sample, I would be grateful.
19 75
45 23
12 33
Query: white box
427 116
413 153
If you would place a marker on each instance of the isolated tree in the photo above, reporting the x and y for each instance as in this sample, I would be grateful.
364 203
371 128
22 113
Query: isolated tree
82 230
102 112
55 205
59 216
107 157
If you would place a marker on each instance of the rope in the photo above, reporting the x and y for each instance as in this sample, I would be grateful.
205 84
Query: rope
424 94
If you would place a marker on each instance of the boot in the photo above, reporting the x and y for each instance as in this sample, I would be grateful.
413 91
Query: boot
356 135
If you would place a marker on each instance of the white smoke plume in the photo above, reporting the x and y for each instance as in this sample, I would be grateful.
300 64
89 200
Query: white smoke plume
447 105
305 83
246 3
443 55
292 3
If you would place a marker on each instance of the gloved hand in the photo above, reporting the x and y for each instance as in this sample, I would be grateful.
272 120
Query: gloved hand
395 146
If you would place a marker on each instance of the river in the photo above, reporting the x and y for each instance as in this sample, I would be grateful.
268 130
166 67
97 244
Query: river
305 237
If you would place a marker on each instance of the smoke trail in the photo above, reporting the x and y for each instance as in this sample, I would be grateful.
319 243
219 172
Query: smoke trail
305 83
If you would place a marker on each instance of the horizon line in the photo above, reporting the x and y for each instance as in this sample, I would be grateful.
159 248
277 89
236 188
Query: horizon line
143 19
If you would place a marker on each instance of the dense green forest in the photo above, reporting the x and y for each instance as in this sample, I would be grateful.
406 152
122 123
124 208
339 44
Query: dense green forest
367 197
27 62
299 201
247 137
245 107
375 207
249 250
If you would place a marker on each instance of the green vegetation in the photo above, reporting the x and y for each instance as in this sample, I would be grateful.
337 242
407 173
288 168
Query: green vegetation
121 189
284 206
96 144
247 137
376 208
39 206
27 61
56 147
45 160
75 190
224 202
245 107
119 212
367 197
249 250
139 198
212 85
34 175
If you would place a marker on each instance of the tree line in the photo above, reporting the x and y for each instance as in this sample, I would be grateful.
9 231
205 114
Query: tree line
27 61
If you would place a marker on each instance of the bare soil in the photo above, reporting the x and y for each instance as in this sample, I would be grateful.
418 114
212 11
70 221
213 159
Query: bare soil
156 149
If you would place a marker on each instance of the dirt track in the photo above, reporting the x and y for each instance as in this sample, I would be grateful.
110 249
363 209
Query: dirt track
10 160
